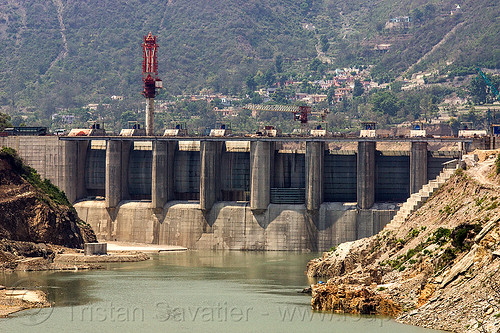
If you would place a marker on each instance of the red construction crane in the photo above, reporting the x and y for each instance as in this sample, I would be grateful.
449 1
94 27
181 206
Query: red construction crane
301 112
150 78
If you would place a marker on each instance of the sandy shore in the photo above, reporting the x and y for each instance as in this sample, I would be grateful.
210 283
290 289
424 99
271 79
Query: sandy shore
12 301
77 258
148 248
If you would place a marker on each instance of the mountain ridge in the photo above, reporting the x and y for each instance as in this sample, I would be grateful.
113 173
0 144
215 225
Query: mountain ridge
66 53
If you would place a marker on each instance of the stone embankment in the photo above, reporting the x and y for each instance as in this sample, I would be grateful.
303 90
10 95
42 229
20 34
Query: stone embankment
439 269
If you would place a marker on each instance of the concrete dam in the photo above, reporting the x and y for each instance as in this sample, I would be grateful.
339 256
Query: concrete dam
226 193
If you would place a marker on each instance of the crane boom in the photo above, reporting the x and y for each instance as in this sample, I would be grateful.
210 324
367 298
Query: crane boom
301 111
275 108
488 82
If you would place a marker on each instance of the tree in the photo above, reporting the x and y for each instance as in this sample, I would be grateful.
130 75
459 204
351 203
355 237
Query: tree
385 102
18 121
269 77
256 99
216 103
358 88
417 15
4 121
281 96
331 94
429 11
325 45
315 64
396 86
455 125
278 63
126 117
480 92
251 84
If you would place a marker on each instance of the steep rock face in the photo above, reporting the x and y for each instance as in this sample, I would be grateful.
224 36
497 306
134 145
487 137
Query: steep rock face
351 299
442 267
27 213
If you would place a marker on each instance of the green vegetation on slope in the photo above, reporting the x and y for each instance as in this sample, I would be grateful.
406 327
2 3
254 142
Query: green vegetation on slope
4 121
219 45
30 175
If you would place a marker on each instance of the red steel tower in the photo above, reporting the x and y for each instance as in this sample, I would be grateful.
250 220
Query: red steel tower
150 78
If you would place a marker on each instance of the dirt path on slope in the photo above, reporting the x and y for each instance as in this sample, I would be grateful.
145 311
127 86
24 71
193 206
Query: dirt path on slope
481 171
64 52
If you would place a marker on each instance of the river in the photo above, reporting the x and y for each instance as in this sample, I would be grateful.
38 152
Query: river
193 291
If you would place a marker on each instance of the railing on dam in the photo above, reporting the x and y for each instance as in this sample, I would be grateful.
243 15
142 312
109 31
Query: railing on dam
288 186
291 195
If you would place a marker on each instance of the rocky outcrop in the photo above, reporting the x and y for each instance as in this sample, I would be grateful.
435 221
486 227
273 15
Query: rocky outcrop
352 299
33 210
440 269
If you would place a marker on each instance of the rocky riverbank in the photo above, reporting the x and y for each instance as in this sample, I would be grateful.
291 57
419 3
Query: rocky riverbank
12 301
440 269
37 223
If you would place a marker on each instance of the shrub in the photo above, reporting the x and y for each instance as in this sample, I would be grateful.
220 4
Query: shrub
463 235
446 258
441 236
413 233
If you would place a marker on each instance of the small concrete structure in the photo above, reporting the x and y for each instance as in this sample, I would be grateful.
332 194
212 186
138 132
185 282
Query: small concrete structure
417 133
95 249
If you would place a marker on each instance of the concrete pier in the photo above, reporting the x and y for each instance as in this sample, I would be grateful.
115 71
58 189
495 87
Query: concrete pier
150 109
366 174
113 185
260 175
125 158
315 155
418 166
210 157
162 186
76 153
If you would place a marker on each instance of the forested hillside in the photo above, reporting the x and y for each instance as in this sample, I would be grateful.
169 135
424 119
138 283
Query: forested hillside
66 53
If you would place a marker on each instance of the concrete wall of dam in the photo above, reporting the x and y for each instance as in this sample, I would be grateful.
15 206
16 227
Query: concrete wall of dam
233 225
234 194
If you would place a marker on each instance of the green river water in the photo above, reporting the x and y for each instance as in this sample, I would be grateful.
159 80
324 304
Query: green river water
193 291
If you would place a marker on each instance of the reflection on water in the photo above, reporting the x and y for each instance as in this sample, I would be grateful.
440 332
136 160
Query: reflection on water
196 291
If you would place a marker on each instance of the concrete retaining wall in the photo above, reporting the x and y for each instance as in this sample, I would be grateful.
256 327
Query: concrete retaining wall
53 159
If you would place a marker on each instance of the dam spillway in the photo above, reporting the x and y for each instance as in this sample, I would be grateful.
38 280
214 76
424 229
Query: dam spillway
232 194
